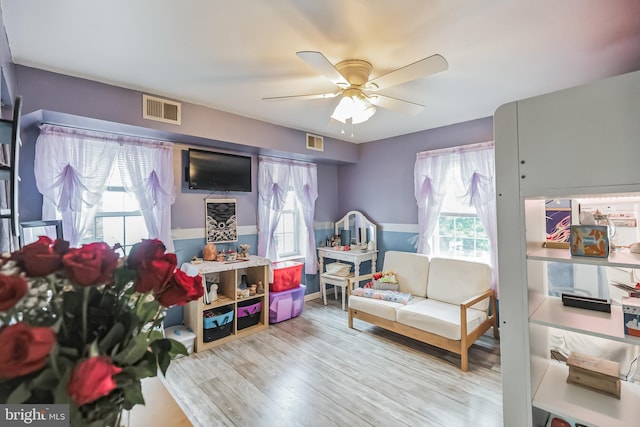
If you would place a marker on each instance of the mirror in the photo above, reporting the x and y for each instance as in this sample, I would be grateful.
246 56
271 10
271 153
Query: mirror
31 230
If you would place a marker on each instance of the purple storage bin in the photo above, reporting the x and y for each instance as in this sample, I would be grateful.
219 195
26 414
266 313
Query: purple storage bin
286 304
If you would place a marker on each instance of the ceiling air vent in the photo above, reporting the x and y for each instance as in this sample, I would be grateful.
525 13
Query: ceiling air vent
315 142
161 110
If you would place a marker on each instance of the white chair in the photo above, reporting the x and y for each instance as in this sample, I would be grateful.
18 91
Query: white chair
338 282
361 229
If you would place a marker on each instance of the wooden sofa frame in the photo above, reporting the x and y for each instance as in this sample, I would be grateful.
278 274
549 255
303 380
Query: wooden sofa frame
460 347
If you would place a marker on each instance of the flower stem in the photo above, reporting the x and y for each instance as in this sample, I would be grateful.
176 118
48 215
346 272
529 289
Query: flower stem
85 309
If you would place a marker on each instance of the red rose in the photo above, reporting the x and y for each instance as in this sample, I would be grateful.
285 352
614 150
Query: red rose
147 249
92 379
181 289
25 349
92 264
12 289
155 274
38 258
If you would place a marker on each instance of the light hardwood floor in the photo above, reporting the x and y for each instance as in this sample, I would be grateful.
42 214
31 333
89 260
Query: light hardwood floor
314 371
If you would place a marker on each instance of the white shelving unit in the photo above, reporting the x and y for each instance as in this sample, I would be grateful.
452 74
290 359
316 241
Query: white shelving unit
582 142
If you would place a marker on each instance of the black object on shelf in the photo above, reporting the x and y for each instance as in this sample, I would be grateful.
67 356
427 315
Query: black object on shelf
589 303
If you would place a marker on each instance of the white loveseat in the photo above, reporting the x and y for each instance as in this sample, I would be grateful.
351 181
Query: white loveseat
449 304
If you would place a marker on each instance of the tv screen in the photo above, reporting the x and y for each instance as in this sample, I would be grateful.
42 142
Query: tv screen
209 170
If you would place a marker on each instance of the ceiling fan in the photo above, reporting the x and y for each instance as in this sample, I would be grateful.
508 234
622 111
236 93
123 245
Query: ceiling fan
360 95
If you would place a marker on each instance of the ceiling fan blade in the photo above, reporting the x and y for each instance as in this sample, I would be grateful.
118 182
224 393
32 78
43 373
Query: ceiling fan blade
297 97
394 104
322 65
419 69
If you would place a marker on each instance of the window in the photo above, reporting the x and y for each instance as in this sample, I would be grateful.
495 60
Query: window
290 230
460 233
118 218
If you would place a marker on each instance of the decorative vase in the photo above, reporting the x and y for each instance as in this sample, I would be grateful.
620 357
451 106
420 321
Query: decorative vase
210 252
243 282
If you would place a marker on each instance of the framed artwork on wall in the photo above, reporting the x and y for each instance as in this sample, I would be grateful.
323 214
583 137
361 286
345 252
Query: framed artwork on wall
221 221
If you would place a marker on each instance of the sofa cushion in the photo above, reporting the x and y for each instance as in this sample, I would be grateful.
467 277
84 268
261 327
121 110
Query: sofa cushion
438 317
411 269
376 307
454 281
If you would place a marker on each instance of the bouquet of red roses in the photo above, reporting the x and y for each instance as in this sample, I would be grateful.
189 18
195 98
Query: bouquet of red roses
82 325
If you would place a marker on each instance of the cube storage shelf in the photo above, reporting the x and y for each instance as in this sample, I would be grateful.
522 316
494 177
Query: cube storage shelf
229 275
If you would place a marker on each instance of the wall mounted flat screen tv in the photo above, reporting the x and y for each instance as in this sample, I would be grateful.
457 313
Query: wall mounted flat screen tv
209 170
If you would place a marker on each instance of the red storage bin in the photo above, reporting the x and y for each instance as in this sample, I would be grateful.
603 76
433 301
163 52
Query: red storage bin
286 275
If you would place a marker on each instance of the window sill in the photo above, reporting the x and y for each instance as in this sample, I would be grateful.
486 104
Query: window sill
292 258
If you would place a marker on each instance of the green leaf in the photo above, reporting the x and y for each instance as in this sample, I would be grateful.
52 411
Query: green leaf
177 348
133 395
142 370
163 362
70 352
20 394
115 335
147 311
133 351
155 336
123 380
161 346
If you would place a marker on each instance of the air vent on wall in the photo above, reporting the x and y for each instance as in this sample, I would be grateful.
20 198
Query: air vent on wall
161 110
315 142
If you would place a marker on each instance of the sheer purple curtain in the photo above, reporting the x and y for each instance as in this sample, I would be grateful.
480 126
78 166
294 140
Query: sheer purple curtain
276 177
477 176
72 168
431 173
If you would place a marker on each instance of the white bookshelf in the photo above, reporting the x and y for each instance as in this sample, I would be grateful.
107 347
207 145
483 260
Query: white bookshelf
578 143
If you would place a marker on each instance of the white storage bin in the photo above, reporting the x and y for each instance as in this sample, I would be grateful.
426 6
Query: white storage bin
183 335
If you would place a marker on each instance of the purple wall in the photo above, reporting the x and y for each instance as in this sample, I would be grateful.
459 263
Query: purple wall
375 178
77 102
114 106
381 183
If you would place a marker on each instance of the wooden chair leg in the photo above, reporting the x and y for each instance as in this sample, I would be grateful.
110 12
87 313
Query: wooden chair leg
343 297
464 360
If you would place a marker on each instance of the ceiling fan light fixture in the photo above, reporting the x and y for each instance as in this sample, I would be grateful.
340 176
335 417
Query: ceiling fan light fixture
356 107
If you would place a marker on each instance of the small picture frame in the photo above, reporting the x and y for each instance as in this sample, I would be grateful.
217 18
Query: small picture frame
221 224
558 223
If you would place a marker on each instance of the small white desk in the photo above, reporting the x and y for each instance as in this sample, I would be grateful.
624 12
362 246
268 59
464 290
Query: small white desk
355 257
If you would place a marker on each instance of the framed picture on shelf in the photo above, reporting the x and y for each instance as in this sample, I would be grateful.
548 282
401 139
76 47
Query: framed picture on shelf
221 221
557 214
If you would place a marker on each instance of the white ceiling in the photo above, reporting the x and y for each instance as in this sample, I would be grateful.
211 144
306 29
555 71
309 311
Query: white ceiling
228 55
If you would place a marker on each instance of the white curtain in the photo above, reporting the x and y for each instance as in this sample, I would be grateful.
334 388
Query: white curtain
276 177
72 168
474 165
431 173
477 175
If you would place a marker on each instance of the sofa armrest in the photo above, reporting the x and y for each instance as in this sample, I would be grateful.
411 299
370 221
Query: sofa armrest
489 293
357 280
